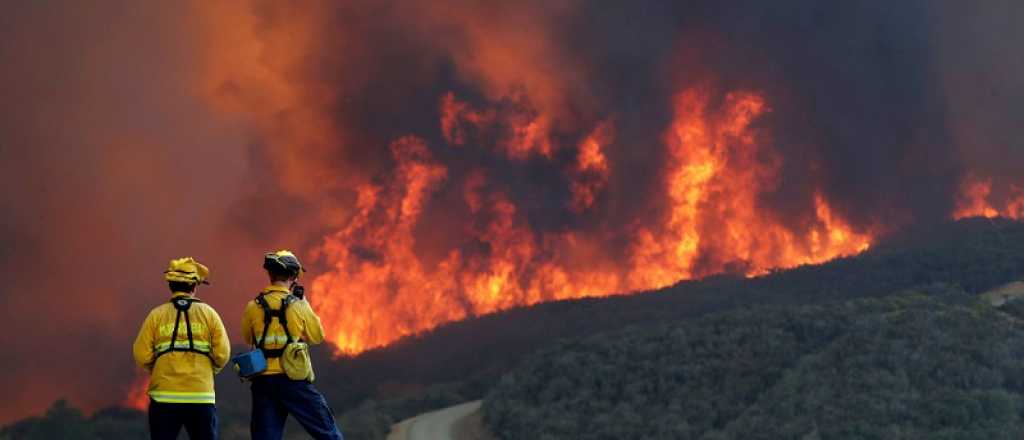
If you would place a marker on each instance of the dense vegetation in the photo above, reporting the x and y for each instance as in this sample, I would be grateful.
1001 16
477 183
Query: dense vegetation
464 360
63 421
934 364
976 254
470 356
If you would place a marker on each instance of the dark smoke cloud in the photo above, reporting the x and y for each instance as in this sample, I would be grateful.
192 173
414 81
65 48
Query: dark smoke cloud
859 97
113 162
981 73
855 105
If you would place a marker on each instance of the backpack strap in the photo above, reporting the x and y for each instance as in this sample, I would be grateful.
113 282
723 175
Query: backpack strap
268 315
182 305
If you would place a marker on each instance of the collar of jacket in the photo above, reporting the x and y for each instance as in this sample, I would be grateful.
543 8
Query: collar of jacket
186 294
276 289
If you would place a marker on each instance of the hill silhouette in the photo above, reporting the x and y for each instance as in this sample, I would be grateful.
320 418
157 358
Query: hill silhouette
974 254
934 363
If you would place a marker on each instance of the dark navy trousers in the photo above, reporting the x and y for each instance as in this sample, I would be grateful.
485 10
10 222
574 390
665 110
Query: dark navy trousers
276 396
167 419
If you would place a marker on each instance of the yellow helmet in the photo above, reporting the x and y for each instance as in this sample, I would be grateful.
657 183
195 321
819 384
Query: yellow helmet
283 259
186 270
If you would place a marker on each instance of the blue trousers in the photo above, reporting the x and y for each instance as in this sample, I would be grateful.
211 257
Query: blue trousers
276 396
166 420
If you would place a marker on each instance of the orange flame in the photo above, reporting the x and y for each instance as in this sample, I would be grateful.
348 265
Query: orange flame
716 172
389 275
976 200
138 393
527 129
378 289
458 117
590 172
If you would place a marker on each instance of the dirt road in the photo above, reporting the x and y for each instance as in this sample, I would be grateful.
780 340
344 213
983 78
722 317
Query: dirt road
442 424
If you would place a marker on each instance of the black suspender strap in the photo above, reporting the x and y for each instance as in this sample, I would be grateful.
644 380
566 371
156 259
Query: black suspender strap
266 320
188 328
181 306
268 315
174 334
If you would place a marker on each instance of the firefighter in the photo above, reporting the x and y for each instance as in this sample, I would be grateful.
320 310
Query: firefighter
183 344
277 318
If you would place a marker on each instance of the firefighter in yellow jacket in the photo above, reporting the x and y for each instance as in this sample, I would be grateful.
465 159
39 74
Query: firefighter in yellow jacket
274 394
183 344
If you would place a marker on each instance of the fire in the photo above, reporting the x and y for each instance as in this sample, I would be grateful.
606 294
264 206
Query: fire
717 171
517 197
590 173
138 397
522 130
379 289
976 199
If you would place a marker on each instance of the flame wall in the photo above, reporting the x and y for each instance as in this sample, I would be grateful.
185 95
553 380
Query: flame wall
438 160
464 157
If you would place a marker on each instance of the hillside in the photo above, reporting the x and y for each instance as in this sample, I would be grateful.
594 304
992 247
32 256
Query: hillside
934 363
464 360
976 254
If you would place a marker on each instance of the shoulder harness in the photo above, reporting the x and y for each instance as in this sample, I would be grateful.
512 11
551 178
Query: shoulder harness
268 315
182 305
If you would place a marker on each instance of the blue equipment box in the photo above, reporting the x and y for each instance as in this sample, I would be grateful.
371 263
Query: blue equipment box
250 363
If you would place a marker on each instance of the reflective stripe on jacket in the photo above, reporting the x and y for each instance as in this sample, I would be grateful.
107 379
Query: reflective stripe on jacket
303 324
182 376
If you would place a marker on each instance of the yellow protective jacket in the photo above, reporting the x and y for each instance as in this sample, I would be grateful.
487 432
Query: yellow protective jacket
303 324
182 376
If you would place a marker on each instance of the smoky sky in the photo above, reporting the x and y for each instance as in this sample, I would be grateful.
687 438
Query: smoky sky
110 168
856 91
114 162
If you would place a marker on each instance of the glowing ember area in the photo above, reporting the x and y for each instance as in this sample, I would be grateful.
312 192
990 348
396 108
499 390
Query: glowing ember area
591 169
521 130
138 397
976 199
379 287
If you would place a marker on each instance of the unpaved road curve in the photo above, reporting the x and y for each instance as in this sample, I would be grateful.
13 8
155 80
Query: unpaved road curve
435 425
